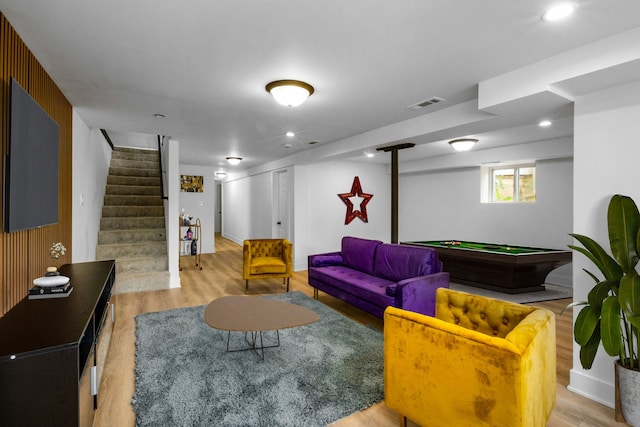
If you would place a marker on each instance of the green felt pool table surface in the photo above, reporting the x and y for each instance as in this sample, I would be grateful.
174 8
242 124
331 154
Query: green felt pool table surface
487 247
501 267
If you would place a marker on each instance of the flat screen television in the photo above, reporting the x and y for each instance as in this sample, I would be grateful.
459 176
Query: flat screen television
31 165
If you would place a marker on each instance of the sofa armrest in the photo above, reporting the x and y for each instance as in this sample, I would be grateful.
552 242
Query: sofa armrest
418 294
323 260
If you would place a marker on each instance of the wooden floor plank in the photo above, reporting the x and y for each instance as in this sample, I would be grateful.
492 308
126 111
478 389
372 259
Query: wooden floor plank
222 275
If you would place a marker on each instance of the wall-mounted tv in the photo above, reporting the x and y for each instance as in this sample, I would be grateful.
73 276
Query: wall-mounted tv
31 165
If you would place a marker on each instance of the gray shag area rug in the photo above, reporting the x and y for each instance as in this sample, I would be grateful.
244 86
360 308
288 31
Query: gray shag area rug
321 372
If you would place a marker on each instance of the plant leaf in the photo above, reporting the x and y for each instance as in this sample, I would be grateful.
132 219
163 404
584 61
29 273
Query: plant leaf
601 259
629 296
610 326
573 304
589 350
623 220
586 325
599 292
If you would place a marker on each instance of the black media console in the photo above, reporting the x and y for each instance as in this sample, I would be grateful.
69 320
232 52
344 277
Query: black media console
52 351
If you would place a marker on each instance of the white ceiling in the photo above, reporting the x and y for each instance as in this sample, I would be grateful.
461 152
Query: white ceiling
204 64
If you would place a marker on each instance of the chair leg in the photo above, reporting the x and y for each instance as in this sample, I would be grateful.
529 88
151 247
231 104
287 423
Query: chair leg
315 293
287 280
246 286
403 421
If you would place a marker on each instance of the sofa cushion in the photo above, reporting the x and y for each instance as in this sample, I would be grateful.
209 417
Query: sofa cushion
324 260
359 253
266 265
365 286
399 262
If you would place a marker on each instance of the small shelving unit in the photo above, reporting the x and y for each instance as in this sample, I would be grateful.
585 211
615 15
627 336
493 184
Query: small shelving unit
190 236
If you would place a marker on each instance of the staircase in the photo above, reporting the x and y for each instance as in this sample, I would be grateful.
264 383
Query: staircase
132 228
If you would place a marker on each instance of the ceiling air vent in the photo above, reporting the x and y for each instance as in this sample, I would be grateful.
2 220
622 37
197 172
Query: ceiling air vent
426 103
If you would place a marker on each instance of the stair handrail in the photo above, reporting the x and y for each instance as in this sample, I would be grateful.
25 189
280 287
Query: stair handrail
162 168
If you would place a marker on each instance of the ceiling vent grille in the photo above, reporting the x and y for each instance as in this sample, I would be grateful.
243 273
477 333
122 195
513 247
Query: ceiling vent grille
426 103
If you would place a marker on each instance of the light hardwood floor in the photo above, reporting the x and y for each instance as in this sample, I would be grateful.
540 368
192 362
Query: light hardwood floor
222 275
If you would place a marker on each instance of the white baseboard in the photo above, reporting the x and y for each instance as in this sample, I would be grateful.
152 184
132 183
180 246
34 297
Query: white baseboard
592 388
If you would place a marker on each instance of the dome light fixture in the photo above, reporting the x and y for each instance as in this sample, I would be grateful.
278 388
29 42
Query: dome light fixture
463 144
559 11
234 160
221 174
290 93
544 123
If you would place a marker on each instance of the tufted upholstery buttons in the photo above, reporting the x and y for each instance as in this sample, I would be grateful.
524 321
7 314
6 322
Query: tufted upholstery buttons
456 319
505 321
482 315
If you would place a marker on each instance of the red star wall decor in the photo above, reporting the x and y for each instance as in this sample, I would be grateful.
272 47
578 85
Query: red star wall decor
356 191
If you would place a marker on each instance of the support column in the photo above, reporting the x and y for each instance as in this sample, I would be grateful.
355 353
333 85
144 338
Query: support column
394 185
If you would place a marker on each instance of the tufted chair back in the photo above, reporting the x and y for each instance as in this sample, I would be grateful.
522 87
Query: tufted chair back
478 362
488 316
267 248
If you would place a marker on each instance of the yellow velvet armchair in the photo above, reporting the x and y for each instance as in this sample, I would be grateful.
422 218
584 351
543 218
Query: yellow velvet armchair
266 259
478 362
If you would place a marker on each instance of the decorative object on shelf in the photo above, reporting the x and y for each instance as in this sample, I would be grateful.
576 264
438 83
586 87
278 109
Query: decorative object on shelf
190 233
51 281
356 191
611 315
57 250
191 183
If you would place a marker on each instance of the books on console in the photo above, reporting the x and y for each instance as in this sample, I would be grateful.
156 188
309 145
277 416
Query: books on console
61 291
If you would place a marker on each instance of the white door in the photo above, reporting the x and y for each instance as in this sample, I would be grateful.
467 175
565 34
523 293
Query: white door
281 185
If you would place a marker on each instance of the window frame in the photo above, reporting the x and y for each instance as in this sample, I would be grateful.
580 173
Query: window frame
516 182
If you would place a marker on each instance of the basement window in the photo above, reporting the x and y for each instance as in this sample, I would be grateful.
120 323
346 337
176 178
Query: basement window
510 183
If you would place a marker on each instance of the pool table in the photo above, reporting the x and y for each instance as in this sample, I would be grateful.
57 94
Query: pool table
499 267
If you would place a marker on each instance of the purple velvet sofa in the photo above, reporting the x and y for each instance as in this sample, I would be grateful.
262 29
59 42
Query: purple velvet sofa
372 275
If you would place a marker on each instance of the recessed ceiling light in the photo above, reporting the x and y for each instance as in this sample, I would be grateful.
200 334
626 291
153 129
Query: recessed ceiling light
290 134
369 155
559 11
544 123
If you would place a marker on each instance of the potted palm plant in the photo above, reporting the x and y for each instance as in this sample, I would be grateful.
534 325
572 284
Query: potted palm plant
611 314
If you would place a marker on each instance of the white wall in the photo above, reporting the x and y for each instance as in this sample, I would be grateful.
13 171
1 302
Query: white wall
246 208
91 157
201 205
318 212
607 152
446 205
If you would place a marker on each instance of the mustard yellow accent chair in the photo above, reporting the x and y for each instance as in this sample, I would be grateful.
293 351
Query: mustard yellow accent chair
478 362
266 259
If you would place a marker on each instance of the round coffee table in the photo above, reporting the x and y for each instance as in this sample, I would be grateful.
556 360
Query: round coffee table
253 315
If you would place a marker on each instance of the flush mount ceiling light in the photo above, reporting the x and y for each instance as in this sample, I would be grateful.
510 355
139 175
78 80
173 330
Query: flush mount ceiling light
559 11
234 160
463 144
290 134
544 123
290 93
221 174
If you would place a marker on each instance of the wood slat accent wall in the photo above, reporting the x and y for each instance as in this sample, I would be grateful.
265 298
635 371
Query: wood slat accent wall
24 255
